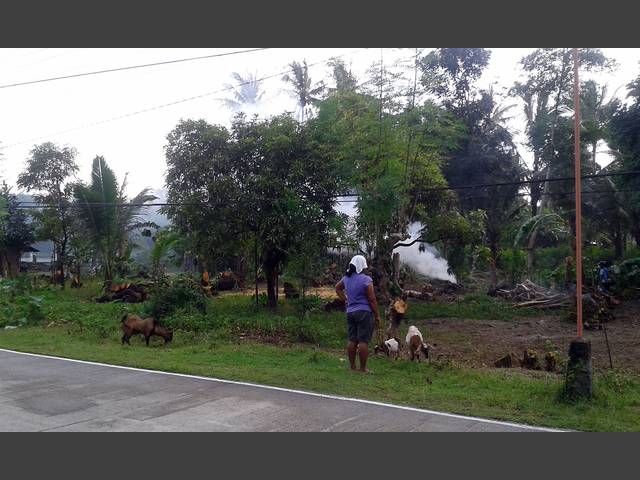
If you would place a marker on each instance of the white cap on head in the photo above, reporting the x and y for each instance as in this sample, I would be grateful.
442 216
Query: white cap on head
359 262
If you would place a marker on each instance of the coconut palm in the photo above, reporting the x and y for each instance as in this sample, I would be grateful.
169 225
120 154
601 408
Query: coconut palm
108 215
163 242
305 92
247 91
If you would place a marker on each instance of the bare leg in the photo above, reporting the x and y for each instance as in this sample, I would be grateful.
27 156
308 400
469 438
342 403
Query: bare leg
352 347
363 354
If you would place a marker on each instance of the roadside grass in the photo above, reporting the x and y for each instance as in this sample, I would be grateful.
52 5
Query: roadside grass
504 395
237 341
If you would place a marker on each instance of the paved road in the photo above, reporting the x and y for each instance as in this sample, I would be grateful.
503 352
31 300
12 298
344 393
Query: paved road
44 394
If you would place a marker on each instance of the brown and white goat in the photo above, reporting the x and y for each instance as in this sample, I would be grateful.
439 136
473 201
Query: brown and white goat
390 347
416 344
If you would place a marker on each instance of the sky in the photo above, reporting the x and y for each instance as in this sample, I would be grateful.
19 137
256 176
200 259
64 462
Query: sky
73 111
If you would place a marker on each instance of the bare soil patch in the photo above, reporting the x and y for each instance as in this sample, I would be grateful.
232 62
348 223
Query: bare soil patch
479 343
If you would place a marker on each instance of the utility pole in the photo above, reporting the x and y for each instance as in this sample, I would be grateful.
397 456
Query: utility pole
578 190
579 380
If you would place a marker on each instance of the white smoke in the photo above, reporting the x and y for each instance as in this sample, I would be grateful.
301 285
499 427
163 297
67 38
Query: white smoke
429 262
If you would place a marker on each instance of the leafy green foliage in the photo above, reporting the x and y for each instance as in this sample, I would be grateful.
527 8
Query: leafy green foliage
553 223
180 294
267 180
16 234
18 305
628 274
47 173
108 216
305 91
449 73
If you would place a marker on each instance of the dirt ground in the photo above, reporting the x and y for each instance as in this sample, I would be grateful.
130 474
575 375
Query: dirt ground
480 343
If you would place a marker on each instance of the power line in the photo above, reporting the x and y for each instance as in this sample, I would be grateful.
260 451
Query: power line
35 205
130 67
526 182
170 104
344 197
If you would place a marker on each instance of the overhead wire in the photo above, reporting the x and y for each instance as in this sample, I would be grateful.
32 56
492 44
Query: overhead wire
170 104
129 67
347 197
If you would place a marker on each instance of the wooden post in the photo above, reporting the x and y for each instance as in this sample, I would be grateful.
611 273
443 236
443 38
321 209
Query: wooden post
578 189
579 376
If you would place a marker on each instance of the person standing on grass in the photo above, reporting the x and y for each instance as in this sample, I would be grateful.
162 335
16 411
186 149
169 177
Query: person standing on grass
362 306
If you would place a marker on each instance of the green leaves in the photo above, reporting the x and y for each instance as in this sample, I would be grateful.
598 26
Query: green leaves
108 215
549 222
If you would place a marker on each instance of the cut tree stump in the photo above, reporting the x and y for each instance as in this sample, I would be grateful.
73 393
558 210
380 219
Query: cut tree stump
530 360
504 362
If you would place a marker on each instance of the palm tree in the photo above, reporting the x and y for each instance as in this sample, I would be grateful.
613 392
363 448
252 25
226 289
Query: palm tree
345 80
108 215
303 90
596 113
246 92
163 242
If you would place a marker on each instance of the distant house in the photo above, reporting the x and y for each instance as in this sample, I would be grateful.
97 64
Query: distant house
39 253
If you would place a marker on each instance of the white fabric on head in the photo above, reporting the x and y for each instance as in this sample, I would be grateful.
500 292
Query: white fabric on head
359 262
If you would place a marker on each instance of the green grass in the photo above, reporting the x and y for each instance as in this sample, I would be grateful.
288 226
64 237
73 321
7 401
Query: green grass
472 306
501 395
230 316
307 353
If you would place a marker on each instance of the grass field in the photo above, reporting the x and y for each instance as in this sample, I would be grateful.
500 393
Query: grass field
234 341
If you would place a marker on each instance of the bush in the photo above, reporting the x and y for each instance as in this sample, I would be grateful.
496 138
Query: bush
17 305
627 274
182 293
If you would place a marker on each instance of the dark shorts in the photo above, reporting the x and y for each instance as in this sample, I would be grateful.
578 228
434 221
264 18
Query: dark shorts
360 325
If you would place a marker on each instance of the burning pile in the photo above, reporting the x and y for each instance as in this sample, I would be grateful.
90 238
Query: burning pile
531 295
437 288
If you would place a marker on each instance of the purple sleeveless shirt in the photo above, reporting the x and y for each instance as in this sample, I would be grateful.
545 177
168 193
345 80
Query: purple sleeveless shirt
356 286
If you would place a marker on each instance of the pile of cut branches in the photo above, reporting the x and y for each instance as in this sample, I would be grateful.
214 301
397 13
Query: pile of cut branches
531 295
126 292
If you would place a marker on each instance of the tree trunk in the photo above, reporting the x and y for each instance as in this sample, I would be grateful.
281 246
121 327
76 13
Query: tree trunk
271 273
58 266
618 240
493 266
396 267
383 272
3 267
13 262
9 264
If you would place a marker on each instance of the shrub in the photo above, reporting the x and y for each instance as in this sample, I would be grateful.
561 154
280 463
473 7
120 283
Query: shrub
182 293
17 305
627 274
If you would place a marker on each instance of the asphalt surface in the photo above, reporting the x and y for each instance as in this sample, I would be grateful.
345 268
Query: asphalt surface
48 394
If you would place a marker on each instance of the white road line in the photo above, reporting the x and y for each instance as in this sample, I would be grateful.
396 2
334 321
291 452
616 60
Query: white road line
288 390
